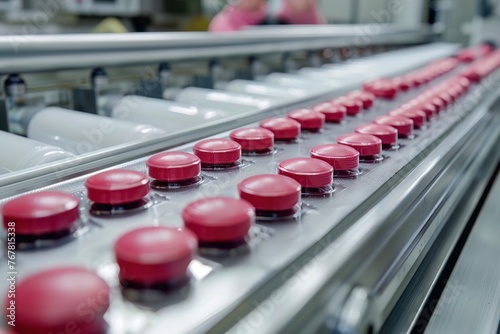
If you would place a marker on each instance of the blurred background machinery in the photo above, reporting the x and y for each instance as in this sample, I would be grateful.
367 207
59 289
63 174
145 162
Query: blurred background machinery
57 16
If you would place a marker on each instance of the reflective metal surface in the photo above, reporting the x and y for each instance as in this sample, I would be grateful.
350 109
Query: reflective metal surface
415 307
471 300
129 41
55 52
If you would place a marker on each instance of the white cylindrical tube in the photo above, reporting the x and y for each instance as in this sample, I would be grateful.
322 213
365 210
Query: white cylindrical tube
337 77
105 103
18 153
297 81
167 115
81 133
230 102
265 89
19 117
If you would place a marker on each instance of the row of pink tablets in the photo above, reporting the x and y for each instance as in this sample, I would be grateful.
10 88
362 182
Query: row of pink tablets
475 52
420 109
314 118
416 112
389 88
483 67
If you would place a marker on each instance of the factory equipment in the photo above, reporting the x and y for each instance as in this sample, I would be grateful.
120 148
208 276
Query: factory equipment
325 199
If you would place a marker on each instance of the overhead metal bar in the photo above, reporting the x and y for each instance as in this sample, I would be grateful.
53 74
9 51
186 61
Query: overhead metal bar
58 52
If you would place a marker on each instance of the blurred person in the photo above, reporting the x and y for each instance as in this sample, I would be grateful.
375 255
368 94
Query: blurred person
240 13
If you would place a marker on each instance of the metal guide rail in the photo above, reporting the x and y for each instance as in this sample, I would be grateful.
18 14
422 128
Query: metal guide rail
21 54
473 284
228 282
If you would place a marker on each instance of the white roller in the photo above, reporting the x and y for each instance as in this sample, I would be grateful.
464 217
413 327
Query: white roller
167 115
297 81
80 133
105 103
18 153
386 64
265 89
230 102
19 117
335 76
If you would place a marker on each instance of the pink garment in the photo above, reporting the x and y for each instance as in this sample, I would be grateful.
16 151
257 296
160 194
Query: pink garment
309 16
234 18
